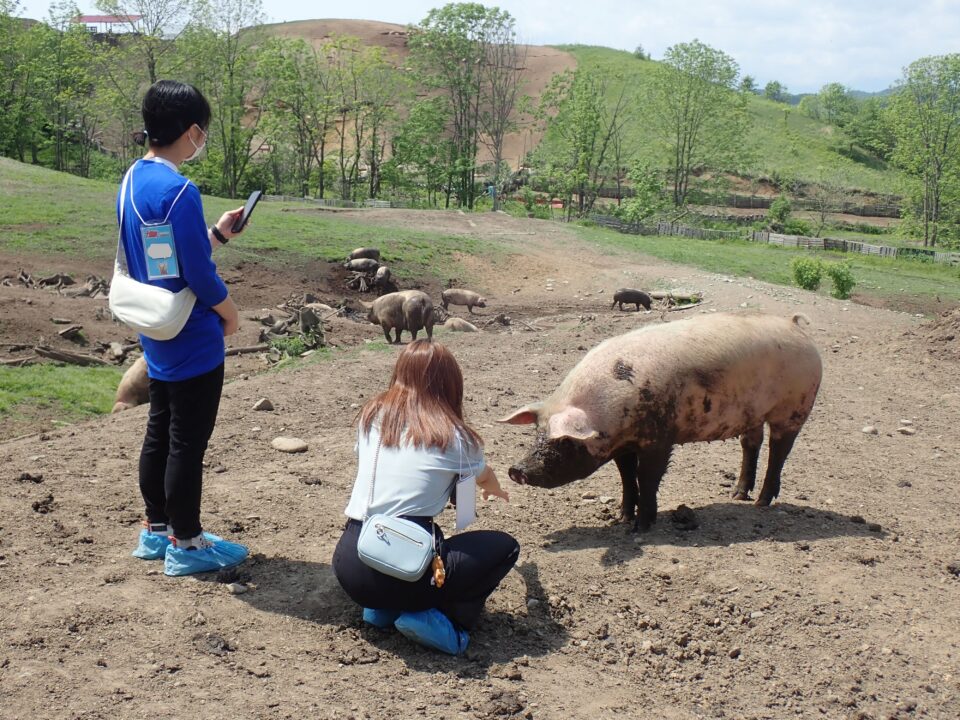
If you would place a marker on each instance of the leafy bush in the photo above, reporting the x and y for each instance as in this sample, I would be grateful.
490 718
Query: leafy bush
794 226
778 213
842 277
807 272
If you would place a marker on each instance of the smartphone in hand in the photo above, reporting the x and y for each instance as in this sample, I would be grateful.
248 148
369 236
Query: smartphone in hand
247 211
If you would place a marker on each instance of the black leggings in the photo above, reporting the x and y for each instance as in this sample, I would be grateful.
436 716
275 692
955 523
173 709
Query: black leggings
181 420
475 562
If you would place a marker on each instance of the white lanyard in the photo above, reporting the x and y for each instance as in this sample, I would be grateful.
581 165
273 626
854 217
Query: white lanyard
134 204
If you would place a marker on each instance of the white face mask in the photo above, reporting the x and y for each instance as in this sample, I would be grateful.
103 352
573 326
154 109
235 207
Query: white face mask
197 149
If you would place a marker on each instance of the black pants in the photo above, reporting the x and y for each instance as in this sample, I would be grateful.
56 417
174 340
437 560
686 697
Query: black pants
475 562
181 420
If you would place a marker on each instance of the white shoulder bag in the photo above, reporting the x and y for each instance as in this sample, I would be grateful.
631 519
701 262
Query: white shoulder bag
153 311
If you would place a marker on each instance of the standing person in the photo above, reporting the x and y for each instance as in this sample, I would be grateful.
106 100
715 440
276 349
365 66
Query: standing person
186 372
415 437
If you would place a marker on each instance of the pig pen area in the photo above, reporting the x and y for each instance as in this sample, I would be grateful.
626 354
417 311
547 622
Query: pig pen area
841 600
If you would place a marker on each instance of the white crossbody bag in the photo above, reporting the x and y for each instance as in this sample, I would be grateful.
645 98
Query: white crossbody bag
395 546
153 311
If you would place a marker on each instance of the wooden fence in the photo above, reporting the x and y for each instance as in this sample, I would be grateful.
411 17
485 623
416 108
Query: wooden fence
332 202
763 236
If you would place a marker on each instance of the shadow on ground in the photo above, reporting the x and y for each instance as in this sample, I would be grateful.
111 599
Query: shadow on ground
310 591
717 524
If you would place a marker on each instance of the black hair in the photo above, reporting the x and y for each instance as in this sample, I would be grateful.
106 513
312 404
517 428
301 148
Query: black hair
170 108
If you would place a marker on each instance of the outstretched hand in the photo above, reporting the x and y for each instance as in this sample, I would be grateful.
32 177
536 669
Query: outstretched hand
490 486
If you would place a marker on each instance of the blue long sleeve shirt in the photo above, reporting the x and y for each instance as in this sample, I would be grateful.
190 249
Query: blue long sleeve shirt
152 189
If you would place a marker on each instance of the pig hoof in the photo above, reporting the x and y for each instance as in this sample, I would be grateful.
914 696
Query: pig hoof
741 495
763 502
641 526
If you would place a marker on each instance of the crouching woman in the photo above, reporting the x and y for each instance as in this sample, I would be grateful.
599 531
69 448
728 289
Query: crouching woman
413 445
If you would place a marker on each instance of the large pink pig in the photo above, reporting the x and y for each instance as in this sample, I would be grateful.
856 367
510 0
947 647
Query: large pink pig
635 396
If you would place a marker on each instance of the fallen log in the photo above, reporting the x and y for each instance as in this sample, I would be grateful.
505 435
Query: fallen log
247 350
677 308
68 357
19 362
679 298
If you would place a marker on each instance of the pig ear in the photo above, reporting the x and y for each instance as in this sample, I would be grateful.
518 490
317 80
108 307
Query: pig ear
526 415
573 423
366 305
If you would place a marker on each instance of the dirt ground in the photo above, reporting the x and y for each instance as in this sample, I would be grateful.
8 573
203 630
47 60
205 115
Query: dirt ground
842 600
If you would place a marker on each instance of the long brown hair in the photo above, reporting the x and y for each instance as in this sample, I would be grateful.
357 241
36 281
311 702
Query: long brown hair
425 399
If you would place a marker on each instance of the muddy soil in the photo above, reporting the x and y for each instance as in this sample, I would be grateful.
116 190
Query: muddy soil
842 600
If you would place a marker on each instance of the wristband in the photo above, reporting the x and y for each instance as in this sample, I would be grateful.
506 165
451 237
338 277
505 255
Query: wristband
221 238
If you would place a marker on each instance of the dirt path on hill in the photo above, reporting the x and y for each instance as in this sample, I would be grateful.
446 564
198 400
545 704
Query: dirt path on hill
842 600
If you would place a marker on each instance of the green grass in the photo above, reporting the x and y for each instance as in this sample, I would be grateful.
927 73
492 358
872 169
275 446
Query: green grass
782 142
69 392
47 212
894 282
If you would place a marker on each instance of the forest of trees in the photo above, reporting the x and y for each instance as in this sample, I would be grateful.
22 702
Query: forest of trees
347 120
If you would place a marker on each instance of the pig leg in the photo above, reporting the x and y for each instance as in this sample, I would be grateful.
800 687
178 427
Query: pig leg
652 464
627 465
750 441
780 446
386 332
414 334
613 304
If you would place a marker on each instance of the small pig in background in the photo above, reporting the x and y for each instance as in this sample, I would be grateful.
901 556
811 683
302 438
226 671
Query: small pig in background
635 396
365 252
631 297
134 387
460 296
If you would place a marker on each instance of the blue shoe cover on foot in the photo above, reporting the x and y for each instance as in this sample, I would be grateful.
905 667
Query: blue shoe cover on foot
221 554
382 619
434 630
152 546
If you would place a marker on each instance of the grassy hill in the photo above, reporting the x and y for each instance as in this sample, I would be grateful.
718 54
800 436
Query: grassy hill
49 212
782 142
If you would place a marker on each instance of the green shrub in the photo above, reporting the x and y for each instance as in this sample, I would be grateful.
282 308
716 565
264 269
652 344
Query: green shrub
807 272
842 277
778 213
793 226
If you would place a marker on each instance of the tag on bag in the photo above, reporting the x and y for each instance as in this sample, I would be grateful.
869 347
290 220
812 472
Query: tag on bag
466 501
159 251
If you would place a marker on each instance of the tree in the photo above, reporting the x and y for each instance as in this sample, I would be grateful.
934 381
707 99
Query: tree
640 54
775 91
222 50
420 150
829 193
153 25
925 114
837 105
299 108
648 197
449 47
582 126
748 84
501 82
698 112
870 128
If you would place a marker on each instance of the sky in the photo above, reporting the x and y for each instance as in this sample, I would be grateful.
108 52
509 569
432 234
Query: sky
804 44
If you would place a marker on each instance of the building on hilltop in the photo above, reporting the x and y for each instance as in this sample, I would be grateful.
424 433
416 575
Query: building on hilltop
111 24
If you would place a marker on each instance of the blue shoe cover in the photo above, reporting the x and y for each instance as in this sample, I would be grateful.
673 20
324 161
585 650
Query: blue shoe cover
434 630
221 554
382 619
152 546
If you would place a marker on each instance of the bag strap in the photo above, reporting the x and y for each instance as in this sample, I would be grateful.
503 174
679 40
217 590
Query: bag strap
373 477
128 179
123 269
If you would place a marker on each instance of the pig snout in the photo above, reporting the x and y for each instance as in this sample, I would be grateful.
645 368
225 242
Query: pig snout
517 475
